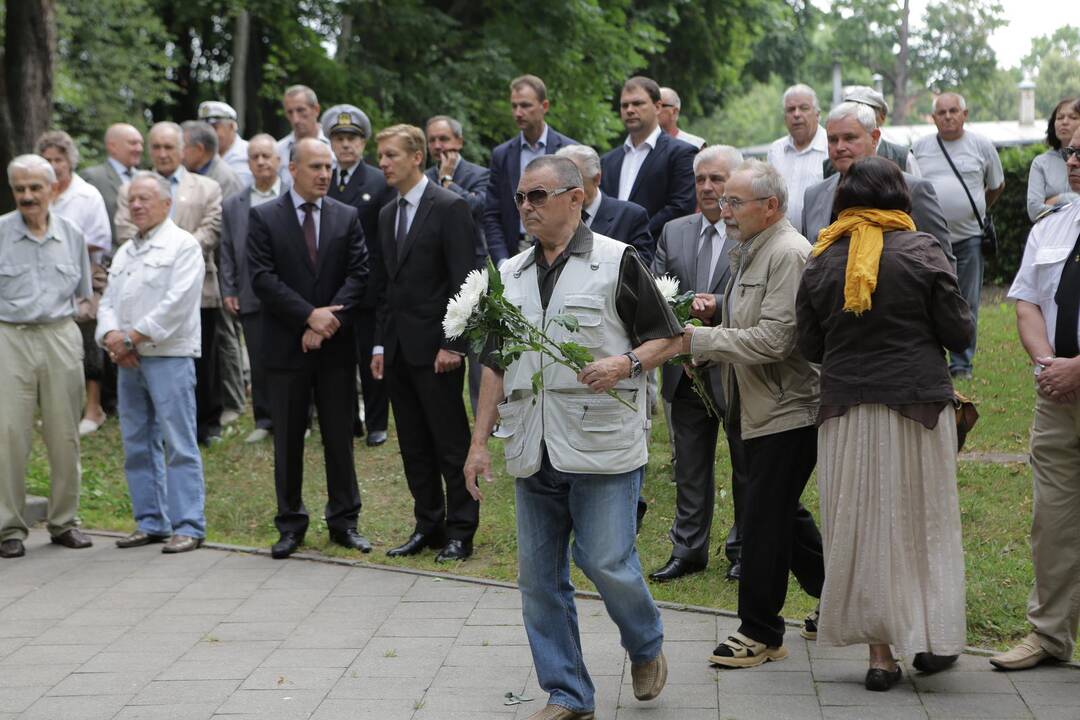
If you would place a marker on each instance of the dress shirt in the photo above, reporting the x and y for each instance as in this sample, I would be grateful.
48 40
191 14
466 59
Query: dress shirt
124 172
41 278
236 157
799 168
412 202
155 288
1049 245
695 140
258 197
528 154
593 207
635 158
717 246
83 205
298 203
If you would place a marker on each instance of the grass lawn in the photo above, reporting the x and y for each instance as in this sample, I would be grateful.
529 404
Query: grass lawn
995 499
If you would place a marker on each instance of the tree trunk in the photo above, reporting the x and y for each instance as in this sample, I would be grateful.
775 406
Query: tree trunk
238 78
26 81
901 101
344 42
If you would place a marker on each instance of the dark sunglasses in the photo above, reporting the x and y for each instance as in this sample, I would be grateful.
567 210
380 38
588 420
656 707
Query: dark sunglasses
538 196
1069 151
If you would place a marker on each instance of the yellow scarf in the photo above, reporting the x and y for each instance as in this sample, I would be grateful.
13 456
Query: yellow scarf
866 227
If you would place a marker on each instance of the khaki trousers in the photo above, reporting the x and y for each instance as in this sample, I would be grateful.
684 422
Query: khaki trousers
1054 603
43 366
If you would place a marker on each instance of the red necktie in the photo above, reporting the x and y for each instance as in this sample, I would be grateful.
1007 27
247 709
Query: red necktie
309 232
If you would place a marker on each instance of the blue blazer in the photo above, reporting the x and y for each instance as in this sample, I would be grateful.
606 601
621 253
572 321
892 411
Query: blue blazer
626 222
501 220
470 183
665 184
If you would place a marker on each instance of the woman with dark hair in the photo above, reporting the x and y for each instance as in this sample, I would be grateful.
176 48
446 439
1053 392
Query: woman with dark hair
1048 178
876 304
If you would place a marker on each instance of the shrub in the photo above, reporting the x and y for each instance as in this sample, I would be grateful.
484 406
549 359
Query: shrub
1010 214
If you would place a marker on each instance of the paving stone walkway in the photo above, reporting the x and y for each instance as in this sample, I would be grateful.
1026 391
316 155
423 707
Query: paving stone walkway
134 634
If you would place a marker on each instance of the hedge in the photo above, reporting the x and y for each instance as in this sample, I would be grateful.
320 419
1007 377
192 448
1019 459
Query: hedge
1010 214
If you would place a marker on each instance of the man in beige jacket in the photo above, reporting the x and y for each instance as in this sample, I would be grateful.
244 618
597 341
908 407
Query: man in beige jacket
196 208
772 391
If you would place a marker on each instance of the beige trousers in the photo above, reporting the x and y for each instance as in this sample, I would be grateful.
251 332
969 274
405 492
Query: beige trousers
1054 603
42 367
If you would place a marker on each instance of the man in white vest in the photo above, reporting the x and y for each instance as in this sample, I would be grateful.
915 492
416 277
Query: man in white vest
576 452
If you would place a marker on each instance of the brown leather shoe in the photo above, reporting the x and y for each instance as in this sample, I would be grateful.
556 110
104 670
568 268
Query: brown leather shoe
73 538
12 548
139 538
181 543
649 677
558 712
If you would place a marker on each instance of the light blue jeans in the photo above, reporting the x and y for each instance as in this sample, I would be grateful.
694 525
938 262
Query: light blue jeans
969 276
164 469
599 511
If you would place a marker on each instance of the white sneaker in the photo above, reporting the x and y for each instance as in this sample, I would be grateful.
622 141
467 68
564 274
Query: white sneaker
88 426
229 417
257 435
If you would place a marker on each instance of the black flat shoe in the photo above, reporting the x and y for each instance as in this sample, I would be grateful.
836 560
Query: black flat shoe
879 680
675 569
350 539
454 550
931 663
416 544
287 544
734 571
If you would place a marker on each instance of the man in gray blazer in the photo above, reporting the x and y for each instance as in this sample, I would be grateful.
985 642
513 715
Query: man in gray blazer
124 148
694 250
853 134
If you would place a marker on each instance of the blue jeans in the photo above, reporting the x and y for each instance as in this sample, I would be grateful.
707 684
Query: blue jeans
599 511
969 276
164 469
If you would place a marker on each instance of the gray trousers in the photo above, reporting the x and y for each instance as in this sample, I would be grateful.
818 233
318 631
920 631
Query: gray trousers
230 362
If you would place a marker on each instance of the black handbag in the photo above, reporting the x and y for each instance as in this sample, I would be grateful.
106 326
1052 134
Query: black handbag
986 224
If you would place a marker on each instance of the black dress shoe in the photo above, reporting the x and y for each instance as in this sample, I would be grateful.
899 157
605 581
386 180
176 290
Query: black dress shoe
454 550
375 438
416 544
880 680
734 571
287 544
72 538
350 539
12 548
931 663
676 568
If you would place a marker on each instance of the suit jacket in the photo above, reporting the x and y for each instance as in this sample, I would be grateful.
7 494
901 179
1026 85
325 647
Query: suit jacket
470 183
677 256
418 280
925 210
367 191
626 222
225 176
502 223
108 183
197 209
665 184
235 275
290 287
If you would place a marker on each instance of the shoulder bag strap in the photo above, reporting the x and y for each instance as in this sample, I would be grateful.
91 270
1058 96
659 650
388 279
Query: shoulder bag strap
974 207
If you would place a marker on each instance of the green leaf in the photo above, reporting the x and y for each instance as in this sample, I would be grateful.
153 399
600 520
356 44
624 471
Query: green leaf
537 382
575 353
570 322
495 283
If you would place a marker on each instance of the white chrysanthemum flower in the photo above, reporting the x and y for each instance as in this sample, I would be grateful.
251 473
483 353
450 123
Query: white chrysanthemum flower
457 318
474 287
668 286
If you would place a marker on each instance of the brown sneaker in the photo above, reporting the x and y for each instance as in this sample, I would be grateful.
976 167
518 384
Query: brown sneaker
558 712
1027 654
181 543
649 677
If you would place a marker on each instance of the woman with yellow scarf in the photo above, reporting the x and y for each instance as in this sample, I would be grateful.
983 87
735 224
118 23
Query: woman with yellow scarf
877 303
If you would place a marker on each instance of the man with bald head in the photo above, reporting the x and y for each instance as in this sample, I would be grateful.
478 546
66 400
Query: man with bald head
123 148
670 107
308 265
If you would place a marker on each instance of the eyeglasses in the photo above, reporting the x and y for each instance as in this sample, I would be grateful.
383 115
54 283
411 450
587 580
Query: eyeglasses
667 105
735 203
1070 151
537 197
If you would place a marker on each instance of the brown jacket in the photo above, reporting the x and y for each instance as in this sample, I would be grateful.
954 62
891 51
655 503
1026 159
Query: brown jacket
892 354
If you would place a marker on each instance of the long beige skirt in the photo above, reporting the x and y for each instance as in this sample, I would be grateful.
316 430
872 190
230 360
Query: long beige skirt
890 521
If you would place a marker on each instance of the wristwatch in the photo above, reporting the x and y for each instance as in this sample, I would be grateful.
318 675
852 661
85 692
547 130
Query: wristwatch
635 364
446 179
127 342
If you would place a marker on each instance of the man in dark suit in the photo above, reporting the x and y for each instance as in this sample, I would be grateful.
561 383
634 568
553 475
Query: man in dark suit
427 239
309 267
650 168
356 183
694 250
237 295
123 148
853 133
502 223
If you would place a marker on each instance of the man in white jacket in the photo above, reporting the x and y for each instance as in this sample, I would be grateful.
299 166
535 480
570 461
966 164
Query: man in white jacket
148 322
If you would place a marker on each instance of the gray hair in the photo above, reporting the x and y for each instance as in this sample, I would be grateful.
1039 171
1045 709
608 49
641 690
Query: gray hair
675 100
198 132
61 141
455 126
958 96
729 155
583 154
766 181
800 89
263 137
171 126
566 171
162 185
864 114
31 164
308 93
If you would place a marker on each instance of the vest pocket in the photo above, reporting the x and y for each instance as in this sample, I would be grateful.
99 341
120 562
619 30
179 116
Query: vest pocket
598 423
588 309
511 413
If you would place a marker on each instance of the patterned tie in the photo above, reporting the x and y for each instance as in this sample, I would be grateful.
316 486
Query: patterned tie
402 221
1067 298
343 180
309 232
703 281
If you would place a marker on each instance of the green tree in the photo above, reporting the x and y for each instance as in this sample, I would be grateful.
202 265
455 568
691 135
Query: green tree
1065 41
953 47
755 117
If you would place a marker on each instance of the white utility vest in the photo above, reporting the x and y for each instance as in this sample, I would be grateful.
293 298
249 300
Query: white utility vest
585 432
